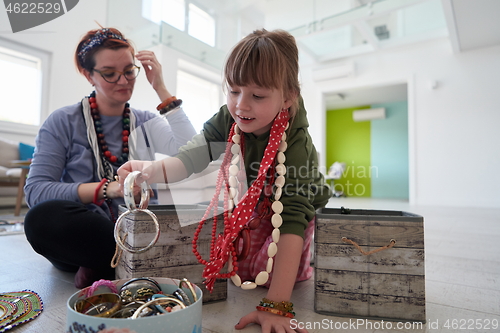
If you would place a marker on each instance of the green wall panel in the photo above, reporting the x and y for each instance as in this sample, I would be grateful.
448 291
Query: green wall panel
349 142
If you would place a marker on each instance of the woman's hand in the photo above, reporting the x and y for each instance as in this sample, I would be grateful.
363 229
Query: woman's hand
114 190
269 322
153 72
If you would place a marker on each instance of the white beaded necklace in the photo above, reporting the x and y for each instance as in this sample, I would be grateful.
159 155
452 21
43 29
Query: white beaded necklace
236 216
277 206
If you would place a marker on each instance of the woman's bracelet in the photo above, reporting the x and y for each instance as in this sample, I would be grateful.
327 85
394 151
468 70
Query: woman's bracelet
276 311
96 200
105 190
166 102
169 107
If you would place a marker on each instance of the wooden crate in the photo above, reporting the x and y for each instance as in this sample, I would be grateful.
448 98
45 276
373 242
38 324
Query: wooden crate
389 284
172 255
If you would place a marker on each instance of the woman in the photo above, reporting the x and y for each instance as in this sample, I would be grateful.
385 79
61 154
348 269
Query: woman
70 190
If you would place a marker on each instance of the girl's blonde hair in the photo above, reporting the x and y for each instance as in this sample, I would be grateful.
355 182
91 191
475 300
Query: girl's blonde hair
268 59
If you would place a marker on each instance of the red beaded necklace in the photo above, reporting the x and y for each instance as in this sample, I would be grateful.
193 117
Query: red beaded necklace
222 247
100 132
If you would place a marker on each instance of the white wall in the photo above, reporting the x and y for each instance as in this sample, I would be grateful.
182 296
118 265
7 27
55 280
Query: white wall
454 155
59 37
454 159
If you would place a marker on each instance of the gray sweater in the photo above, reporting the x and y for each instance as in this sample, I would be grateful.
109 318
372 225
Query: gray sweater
305 190
63 158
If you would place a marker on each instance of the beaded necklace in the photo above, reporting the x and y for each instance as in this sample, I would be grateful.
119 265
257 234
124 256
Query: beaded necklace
236 215
105 153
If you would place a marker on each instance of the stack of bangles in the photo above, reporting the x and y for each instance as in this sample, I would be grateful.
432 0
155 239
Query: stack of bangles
284 309
169 104
136 298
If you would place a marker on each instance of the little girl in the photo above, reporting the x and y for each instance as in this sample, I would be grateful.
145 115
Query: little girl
268 228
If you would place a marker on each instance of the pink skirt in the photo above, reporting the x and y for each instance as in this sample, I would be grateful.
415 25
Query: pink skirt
256 261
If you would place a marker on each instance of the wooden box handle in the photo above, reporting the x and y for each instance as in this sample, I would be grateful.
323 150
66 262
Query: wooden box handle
385 247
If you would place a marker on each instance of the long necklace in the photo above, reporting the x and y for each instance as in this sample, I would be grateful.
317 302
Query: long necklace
236 216
100 132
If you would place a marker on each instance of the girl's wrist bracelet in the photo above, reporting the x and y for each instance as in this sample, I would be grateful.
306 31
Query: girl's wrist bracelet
275 311
283 306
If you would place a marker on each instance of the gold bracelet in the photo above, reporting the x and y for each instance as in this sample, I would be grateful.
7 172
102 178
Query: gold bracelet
100 305
276 311
283 306
190 286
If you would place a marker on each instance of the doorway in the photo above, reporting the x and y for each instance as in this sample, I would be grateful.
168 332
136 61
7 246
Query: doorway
375 152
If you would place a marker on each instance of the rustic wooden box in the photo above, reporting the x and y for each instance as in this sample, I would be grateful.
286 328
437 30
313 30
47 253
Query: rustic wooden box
172 255
389 284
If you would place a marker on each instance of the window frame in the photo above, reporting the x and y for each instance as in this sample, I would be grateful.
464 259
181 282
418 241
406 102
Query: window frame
45 57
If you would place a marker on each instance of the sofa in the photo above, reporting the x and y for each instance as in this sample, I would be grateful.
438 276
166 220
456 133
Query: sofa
12 176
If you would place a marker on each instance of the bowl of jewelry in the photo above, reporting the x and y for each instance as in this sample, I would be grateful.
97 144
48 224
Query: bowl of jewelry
139 305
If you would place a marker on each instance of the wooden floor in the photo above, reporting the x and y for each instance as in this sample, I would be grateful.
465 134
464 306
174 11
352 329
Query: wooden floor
462 279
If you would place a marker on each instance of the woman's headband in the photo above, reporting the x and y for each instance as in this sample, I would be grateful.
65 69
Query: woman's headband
96 40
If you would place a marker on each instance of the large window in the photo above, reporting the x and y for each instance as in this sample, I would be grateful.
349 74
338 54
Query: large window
201 97
171 11
183 15
201 25
22 85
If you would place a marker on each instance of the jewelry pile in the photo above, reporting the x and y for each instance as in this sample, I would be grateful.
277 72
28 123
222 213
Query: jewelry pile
128 196
136 298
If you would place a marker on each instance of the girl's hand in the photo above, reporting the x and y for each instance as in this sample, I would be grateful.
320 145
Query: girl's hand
170 169
269 322
115 190
143 166
153 69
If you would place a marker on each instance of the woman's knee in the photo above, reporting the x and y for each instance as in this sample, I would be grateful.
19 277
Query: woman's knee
40 218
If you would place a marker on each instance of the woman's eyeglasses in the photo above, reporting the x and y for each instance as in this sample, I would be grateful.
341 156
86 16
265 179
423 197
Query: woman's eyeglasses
112 76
